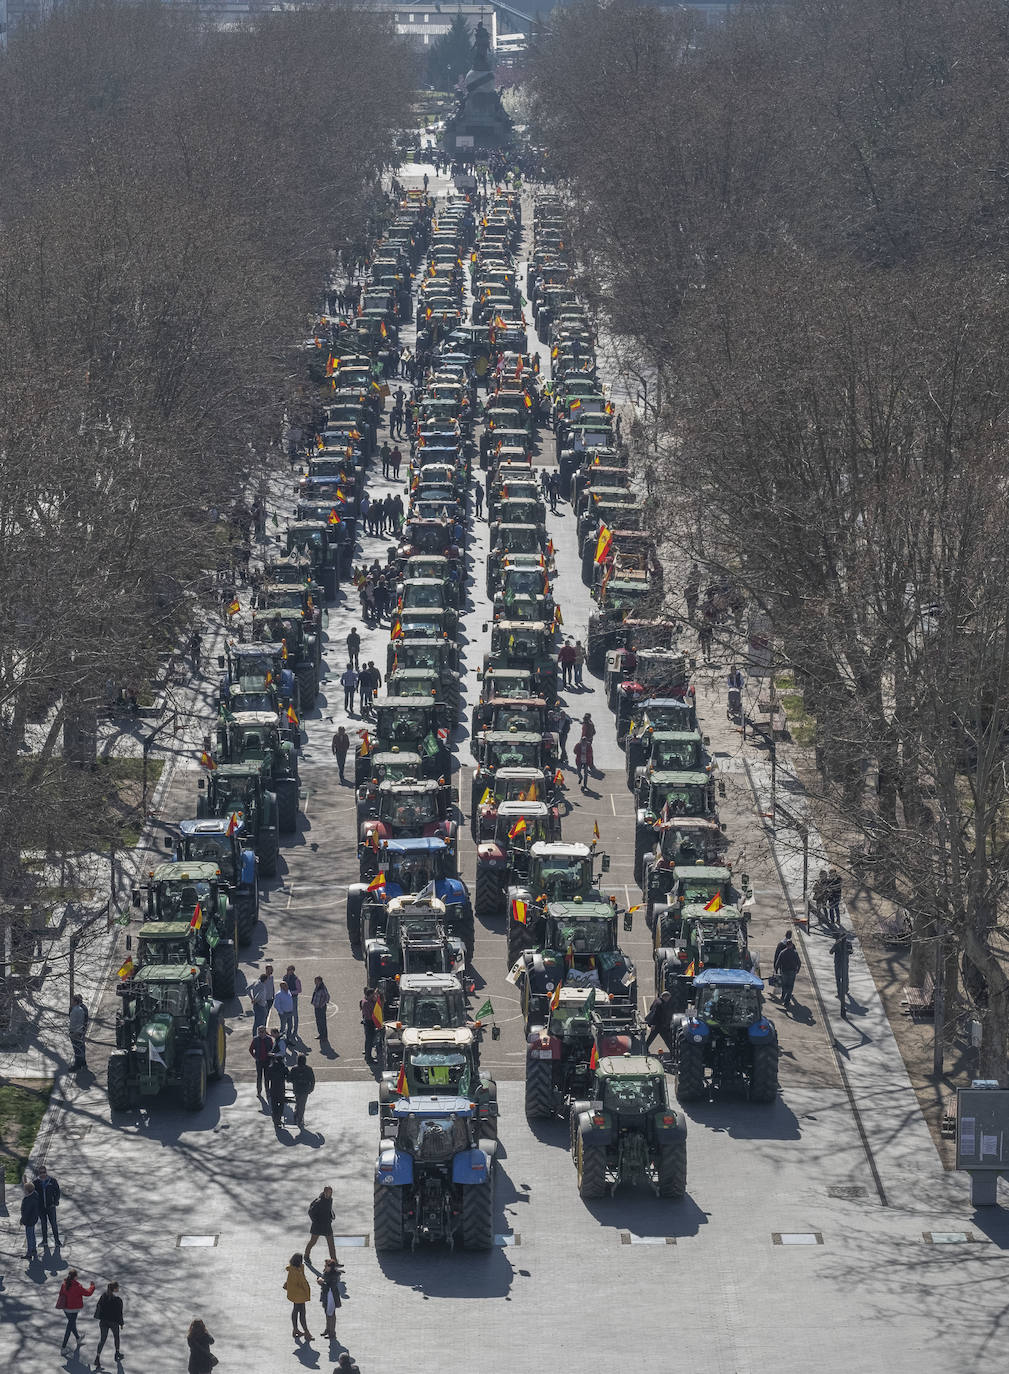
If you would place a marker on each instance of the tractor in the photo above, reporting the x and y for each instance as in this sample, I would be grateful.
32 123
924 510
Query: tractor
514 784
239 787
658 674
727 1042
662 799
572 943
498 717
281 617
577 1025
503 860
391 766
408 867
254 737
626 1130
693 940
511 749
444 1060
554 872
258 673
193 894
414 941
665 751
325 550
527 645
412 724
169 1032
438 658
524 594
434 1178
668 890
222 841
427 1001
410 808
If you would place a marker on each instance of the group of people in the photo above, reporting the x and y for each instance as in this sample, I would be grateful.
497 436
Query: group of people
271 1048
364 683
384 515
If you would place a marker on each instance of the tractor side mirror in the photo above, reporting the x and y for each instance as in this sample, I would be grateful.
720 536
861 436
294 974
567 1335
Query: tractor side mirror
220 660
628 921
604 863
484 627
706 740
129 943
169 842
136 898
373 1108
201 783
721 789
722 827
495 1032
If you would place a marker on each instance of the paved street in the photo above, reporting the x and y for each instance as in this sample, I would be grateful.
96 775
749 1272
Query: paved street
806 1240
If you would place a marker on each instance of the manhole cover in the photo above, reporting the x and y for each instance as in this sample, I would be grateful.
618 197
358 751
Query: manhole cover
629 1238
350 1240
507 1238
185 1242
847 1192
949 1237
796 1238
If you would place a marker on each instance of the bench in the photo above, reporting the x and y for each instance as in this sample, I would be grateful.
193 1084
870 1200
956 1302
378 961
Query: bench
920 1001
777 721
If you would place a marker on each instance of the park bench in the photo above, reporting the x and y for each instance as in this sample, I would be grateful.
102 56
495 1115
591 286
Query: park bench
777 721
920 1001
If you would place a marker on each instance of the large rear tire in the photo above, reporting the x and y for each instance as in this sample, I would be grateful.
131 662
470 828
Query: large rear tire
248 919
308 685
672 1169
478 1214
764 1079
591 1164
269 851
119 1082
489 893
355 929
194 1082
539 1095
287 805
218 1049
223 972
388 1217
643 840
690 1081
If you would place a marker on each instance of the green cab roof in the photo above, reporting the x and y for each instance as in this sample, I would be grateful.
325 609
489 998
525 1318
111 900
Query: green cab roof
196 872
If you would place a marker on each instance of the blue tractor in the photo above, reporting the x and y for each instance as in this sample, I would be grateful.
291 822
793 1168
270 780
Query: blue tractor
208 840
434 1178
727 1042
408 867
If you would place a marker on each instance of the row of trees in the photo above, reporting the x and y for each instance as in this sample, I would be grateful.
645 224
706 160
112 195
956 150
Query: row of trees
798 226
172 198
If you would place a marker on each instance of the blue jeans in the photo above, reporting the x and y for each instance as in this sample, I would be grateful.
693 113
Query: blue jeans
258 1016
294 1016
286 1024
30 1244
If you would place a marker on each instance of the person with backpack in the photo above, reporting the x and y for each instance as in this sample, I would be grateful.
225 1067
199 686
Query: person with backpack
70 1299
786 965
109 1315
320 1214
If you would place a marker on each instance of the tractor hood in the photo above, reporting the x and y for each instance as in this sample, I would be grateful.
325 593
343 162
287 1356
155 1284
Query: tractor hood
156 1032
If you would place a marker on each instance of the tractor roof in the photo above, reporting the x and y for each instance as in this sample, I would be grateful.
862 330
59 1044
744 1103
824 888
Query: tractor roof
519 775
522 626
429 982
212 825
411 784
407 906
676 778
666 703
182 872
427 844
694 911
516 703
677 736
433 1106
452 1038
631 1066
511 736
559 849
532 810
254 720
727 978
259 649
168 973
577 997
404 704
164 930
390 757
704 873
578 910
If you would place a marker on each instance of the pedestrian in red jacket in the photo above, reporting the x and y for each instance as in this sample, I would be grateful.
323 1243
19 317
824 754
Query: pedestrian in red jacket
70 1300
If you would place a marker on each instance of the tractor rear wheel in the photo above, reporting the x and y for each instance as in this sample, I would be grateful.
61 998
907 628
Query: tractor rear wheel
478 1214
388 1217
307 685
355 930
643 840
223 971
218 1043
488 892
690 1083
764 1077
539 1090
287 805
194 1081
671 1168
591 1162
119 1082
248 919
269 851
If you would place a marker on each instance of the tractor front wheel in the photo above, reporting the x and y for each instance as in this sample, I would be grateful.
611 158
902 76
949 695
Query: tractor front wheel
248 918
269 851
388 1217
591 1162
308 685
478 1215
194 1082
690 1082
119 1082
672 1169
223 972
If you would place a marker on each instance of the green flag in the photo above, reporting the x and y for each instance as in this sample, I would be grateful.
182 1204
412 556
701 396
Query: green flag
485 1010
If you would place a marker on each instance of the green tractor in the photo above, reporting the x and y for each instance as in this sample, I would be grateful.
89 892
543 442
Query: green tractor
697 939
254 737
283 618
169 1033
241 788
442 1061
627 1131
194 896
527 645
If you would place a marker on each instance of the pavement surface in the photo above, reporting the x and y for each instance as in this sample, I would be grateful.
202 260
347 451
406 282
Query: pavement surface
819 1232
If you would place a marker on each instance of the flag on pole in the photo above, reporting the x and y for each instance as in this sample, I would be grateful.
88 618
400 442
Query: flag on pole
377 883
690 969
520 911
594 1058
558 779
595 831
126 969
603 543
555 999
233 824
715 904
377 1016
207 761
154 1055
365 745
485 798
197 922
292 717
334 519
485 1010
397 630
401 1086
519 828
234 606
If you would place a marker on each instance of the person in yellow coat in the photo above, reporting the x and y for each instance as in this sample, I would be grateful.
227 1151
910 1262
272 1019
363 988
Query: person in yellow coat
298 1292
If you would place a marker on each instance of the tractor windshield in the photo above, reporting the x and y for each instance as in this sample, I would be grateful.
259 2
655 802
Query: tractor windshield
412 871
168 997
210 849
632 1095
432 1138
254 700
729 1006
424 595
427 1009
285 598
402 724
675 754
417 656
681 801
252 666
155 951
442 1072
564 878
667 717
583 936
524 582
430 538
177 901
521 644
409 808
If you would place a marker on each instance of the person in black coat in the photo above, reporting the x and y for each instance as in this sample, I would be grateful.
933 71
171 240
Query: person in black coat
48 1191
841 950
201 1361
276 1085
660 1020
329 1287
303 1082
29 1219
109 1311
786 965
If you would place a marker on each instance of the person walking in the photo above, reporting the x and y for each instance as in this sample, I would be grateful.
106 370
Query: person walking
369 1002
30 1212
77 1025
354 647
566 659
365 687
329 1294
786 940
553 490
199 1340
303 1082
271 991
832 894
261 1050
109 1313
279 1048
276 1082
579 664
563 730
284 1004
691 591
320 1001
47 1190
70 1300
259 998
841 950
348 681
660 1021
341 746
385 453
583 761
297 1288
397 461
478 500
786 965
320 1215
704 634
294 988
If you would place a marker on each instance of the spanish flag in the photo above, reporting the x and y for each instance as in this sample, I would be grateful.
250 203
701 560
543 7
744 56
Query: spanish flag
365 745
283 650
691 970
595 831
519 828
520 912
558 779
397 630
555 999
377 883
715 904
603 543
232 824
550 548
197 922
378 1019
234 607
401 1087
292 717
485 798
207 761
330 365
382 330
594 1058
373 840
126 970
334 519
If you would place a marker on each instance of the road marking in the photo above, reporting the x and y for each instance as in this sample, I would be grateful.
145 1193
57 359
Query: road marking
613 804
304 805
190 1242
950 1238
507 1238
629 1238
796 1238
359 1241
290 895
